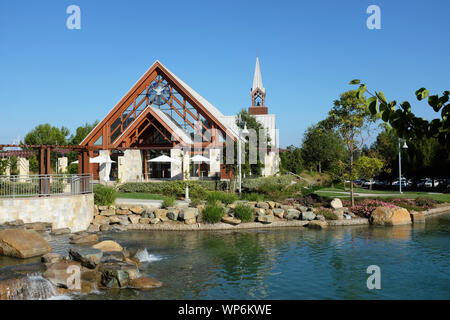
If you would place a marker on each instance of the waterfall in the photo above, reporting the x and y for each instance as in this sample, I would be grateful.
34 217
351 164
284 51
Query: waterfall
144 256
30 287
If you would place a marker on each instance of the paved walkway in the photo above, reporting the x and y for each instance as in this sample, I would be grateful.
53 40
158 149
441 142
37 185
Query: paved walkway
146 203
361 194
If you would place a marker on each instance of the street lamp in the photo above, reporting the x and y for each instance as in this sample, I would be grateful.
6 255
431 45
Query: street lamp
241 131
405 146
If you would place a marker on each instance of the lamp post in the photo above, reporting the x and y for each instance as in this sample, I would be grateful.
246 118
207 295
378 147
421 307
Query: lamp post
405 146
244 131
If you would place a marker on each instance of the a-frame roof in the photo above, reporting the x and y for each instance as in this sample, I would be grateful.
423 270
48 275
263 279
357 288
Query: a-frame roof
209 111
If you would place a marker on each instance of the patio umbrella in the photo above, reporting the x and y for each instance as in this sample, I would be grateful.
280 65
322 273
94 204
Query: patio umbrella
74 162
164 158
200 158
106 161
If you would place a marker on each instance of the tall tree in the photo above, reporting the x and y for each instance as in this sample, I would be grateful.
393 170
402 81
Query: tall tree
368 167
351 118
82 132
46 134
291 160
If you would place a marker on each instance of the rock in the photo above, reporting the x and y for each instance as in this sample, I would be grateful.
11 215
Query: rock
272 204
390 216
38 226
188 213
278 213
231 220
105 227
108 245
134 219
96 211
78 239
292 214
21 243
57 232
100 220
252 203
124 220
112 256
317 224
148 213
144 283
266 219
200 208
308 216
154 221
144 220
232 205
161 214
61 274
51 258
93 228
137 210
262 205
14 223
320 217
301 208
336 203
108 213
259 212
103 208
118 274
172 214
88 257
417 217
119 228
114 220
190 221
123 211
286 208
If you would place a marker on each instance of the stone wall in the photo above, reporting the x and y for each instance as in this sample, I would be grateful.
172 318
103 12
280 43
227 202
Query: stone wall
175 167
74 212
214 165
271 164
130 166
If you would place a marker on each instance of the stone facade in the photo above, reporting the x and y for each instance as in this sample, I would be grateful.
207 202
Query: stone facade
214 165
62 164
176 167
24 167
130 166
74 212
271 164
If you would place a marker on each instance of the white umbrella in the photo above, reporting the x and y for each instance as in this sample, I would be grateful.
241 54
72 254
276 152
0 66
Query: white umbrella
164 158
74 162
106 161
200 158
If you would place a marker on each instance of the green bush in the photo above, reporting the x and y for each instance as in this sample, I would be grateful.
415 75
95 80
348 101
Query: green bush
224 197
327 213
253 196
195 201
168 202
256 184
424 202
244 212
213 213
169 188
104 196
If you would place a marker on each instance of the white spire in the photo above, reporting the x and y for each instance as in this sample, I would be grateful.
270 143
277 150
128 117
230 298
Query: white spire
257 79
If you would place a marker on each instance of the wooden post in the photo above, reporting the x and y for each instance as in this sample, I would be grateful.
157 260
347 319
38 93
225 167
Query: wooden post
145 165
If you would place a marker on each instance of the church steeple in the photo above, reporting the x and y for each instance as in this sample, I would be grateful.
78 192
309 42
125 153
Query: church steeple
258 93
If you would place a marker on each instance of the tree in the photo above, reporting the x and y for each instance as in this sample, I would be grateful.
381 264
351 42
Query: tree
404 121
46 134
291 160
351 118
368 167
386 147
4 163
321 147
82 132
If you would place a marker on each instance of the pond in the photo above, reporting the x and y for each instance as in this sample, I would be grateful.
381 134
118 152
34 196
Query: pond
289 263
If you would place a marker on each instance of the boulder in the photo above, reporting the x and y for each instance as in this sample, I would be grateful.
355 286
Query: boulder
78 239
292 214
88 257
21 243
96 212
154 221
51 258
172 214
105 227
57 232
124 220
137 210
262 205
278 213
118 274
161 214
317 224
112 256
188 213
320 217
336 203
134 219
144 283
119 228
272 204
259 212
93 228
190 221
14 223
308 216
144 220
101 220
417 217
108 245
108 213
301 208
123 211
266 219
38 226
390 216
103 208
114 220
231 220
61 274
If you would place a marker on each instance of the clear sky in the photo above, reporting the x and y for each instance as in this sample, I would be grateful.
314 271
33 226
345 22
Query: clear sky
308 50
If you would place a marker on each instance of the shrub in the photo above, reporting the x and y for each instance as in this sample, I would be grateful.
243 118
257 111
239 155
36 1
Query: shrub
244 212
256 184
169 188
224 197
425 203
367 206
195 201
213 213
253 196
327 213
168 202
104 196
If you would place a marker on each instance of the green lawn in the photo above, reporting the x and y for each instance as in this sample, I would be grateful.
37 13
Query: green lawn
142 196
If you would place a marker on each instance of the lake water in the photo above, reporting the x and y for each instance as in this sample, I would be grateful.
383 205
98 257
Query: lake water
290 263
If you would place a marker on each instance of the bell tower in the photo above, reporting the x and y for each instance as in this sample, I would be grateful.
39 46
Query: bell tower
258 93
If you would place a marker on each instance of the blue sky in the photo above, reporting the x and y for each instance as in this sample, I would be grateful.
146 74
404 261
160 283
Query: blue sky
309 51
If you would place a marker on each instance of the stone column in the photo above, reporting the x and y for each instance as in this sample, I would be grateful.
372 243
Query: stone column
102 166
214 165
24 168
62 165
271 163
176 168
120 168
132 166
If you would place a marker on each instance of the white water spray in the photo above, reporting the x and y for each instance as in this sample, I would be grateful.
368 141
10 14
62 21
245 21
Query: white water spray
144 256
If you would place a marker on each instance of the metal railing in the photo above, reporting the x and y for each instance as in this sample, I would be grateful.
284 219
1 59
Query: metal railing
16 186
